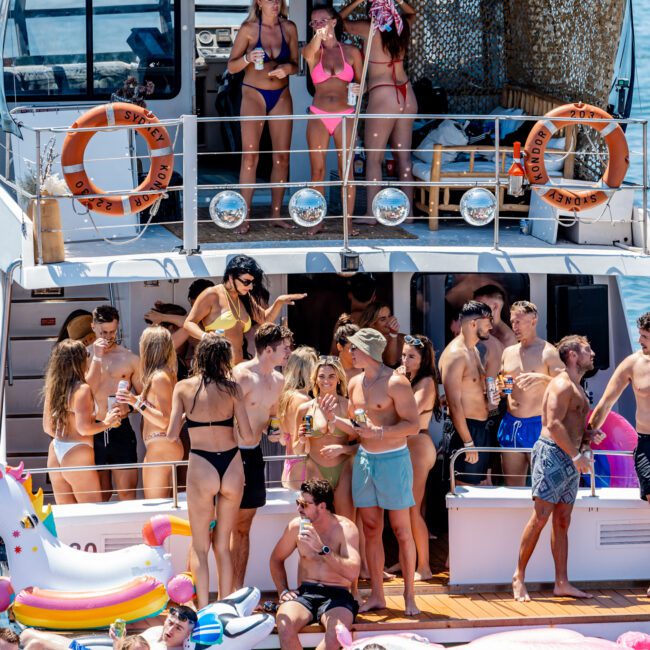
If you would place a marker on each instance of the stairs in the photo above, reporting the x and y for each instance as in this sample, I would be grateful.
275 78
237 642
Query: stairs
33 331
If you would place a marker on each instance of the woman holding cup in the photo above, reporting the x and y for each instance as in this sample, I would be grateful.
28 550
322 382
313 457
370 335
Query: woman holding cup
335 70
266 48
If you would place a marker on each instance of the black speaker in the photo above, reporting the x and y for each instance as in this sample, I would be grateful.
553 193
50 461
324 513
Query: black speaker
583 310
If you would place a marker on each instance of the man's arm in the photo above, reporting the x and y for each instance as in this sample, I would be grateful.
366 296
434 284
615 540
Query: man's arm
347 562
620 379
400 391
452 380
136 373
243 425
283 549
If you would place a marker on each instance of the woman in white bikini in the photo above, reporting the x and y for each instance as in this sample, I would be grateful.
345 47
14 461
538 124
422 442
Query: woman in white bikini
158 368
69 418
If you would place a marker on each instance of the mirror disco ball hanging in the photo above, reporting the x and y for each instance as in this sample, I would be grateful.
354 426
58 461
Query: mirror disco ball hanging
390 206
228 209
307 207
478 206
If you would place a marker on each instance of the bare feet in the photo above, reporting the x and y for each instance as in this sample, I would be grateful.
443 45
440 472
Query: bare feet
374 602
519 591
410 608
567 589
244 228
424 574
286 224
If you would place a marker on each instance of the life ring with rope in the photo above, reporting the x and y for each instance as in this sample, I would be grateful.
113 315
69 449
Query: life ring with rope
160 152
538 140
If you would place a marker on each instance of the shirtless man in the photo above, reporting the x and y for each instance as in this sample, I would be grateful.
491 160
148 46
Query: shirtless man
463 378
561 454
329 564
342 342
494 298
109 364
382 474
261 385
532 363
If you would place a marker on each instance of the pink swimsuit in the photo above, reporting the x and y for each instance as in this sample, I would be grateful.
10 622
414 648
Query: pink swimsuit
320 75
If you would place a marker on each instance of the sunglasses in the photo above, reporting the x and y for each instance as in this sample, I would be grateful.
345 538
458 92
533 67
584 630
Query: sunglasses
353 347
301 503
183 617
246 283
412 340
328 358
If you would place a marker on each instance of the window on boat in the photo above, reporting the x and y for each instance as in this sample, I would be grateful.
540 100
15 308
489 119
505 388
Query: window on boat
87 49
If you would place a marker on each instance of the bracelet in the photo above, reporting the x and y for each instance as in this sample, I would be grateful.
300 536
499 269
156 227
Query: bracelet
96 358
577 456
285 591
468 444
246 61
392 335
138 403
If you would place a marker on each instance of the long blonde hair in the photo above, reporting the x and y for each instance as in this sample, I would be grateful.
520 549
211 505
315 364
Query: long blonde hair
156 353
297 375
333 362
255 13
66 369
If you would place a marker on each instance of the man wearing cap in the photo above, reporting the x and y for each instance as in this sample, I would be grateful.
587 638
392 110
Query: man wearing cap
382 476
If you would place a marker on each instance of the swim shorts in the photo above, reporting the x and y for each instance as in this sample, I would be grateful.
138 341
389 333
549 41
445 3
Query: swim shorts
554 477
383 479
319 598
642 463
519 432
116 446
469 473
254 479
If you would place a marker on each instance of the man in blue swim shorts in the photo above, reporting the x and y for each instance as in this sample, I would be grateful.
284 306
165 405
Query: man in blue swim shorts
384 410
532 363
560 455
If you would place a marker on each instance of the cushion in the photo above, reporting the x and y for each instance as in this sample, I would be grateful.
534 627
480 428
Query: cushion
506 127
448 133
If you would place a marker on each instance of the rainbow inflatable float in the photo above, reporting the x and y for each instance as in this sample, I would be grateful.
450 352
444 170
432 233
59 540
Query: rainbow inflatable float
57 587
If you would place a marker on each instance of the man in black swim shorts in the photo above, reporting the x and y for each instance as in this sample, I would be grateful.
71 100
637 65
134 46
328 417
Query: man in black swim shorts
329 564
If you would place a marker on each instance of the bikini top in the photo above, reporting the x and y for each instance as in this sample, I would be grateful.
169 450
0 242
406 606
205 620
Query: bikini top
191 424
320 75
285 53
229 318
316 433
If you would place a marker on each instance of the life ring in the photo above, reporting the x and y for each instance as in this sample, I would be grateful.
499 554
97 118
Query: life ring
543 131
160 152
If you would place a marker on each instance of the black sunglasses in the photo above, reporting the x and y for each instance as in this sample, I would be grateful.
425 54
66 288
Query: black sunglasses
183 617
246 283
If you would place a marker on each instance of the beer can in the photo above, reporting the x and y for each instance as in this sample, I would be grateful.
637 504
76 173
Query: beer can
308 421
120 627
259 63
274 426
360 416
110 402
304 524
508 383
123 384
492 390
352 95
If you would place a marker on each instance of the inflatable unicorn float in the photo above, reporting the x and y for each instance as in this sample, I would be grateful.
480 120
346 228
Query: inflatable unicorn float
55 586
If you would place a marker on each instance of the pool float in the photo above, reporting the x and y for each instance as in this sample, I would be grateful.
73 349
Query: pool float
57 587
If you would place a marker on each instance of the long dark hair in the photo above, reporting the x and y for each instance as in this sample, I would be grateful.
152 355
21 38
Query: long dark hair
213 364
428 369
338 28
245 265
395 44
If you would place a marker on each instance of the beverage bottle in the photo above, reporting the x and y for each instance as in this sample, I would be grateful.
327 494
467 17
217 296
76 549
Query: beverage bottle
516 173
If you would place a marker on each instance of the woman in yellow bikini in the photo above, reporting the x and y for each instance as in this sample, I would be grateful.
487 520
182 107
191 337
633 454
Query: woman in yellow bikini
328 448
232 306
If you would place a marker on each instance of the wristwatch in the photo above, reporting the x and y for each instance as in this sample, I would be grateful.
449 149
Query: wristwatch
325 550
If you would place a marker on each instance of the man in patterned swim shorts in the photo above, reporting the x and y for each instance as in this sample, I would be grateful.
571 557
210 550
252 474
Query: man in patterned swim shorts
562 452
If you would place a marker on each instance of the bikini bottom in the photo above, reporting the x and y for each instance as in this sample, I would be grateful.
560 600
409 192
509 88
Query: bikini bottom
400 89
220 460
330 122
271 96
290 463
62 447
331 474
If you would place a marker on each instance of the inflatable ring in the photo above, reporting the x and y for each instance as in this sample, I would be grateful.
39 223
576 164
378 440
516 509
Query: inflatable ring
543 131
160 151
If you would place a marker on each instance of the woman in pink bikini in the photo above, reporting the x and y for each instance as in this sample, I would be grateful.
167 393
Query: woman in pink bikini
333 67
389 93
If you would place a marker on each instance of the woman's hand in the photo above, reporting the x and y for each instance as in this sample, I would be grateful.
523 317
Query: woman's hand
333 451
356 89
393 323
112 418
290 298
255 55
154 316
279 73
125 397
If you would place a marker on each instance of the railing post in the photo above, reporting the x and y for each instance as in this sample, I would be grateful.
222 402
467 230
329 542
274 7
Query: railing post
175 486
344 184
37 211
497 186
644 225
190 181
592 477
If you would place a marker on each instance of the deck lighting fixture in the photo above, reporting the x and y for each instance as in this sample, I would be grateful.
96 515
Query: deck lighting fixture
349 262
228 209
478 206
307 207
390 206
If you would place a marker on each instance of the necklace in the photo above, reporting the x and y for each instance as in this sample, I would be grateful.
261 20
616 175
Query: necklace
232 307
368 386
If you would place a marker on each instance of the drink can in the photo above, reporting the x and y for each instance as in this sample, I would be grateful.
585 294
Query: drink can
308 421
120 627
259 63
508 383
111 401
304 524
123 384
360 416
352 95
274 426
492 390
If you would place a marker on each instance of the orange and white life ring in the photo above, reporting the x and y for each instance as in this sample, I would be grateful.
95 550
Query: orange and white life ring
543 131
160 151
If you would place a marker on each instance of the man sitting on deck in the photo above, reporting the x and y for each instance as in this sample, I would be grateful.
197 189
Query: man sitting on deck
8 639
329 564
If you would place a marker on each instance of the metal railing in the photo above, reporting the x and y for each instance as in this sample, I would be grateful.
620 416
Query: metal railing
174 464
191 187
527 450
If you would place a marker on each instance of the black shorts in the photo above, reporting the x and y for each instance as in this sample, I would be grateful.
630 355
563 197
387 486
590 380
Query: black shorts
642 464
116 446
466 472
318 599
254 480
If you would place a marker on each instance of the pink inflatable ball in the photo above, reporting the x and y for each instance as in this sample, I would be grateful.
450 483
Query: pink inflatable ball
634 640
181 588
6 594
621 436
540 639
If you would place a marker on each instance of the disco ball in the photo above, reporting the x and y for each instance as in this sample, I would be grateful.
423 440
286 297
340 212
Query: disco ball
307 207
228 209
390 206
478 206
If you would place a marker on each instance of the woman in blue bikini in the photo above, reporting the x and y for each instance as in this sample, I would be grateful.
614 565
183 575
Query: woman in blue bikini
267 36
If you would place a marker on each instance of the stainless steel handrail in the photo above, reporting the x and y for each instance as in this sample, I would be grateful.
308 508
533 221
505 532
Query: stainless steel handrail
527 450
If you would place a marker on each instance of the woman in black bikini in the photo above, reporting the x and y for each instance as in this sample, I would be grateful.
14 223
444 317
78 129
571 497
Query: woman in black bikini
267 36
210 401
389 92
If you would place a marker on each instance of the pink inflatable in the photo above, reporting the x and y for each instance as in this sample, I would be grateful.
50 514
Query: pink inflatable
621 436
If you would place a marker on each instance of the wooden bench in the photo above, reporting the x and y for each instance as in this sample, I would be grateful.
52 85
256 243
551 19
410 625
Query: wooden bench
432 199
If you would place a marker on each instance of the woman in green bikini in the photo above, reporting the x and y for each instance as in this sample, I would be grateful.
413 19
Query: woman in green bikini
328 448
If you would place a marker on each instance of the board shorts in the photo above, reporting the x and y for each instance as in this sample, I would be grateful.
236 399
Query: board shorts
519 432
254 479
642 464
116 446
469 473
319 598
554 477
